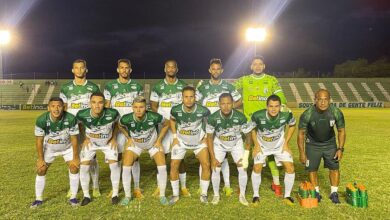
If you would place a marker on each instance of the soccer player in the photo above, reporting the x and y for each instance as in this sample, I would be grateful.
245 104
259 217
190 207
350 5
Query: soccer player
256 88
100 127
224 128
269 139
141 128
166 94
76 95
317 139
187 125
56 135
207 94
119 94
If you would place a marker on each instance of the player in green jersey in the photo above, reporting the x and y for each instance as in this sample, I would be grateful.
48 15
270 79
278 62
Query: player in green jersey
76 95
256 88
141 128
317 139
187 125
99 125
119 94
166 94
224 134
56 135
207 94
269 139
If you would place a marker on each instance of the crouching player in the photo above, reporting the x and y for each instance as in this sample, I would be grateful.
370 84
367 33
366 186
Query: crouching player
56 135
227 124
101 129
140 128
268 138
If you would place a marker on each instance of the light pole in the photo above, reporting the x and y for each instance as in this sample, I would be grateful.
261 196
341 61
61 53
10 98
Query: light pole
5 37
256 35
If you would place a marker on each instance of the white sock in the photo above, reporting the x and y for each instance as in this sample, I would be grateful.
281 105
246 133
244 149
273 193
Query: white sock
242 180
216 180
288 183
276 180
115 176
136 170
74 184
126 180
94 170
256 181
226 172
175 187
317 188
162 179
204 186
333 189
182 178
39 187
84 179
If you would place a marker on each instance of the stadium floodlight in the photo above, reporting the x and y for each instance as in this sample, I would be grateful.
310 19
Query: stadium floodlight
5 37
256 34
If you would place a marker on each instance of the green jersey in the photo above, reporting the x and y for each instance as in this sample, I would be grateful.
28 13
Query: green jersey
121 95
56 133
256 90
227 130
167 96
319 126
143 133
98 130
208 94
270 131
77 97
190 125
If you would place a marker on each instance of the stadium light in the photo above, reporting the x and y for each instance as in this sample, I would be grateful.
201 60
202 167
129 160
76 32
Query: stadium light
5 37
256 34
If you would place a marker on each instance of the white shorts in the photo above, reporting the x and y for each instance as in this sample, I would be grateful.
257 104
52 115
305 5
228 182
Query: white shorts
89 154
49 156
121 140
179 151
220 151
137 150
167 142
279 157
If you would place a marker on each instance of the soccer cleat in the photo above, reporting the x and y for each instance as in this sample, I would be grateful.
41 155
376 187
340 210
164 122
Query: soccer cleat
278 190
164 200
68 194
243 200
318 196
96 193
256 201
73 202
185 192
115 200
138 194
85 201
288 200
36 203
156 192
173 200
228 191
203 199
215 200
125 201
334 197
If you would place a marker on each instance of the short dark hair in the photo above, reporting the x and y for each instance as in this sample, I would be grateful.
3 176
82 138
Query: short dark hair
258 58
171 60
322 90
225 95
274 98
124 61
100 94
80 61
189 88
56 99
215 61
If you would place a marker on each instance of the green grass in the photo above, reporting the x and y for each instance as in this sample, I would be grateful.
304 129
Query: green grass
366 160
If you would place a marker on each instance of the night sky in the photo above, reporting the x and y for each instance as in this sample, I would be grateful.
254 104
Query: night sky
311 34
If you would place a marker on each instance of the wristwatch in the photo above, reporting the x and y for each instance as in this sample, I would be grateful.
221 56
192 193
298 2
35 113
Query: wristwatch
341 148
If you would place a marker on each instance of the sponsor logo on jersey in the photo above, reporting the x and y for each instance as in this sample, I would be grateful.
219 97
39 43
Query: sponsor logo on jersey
165 104
179 114
90 88
199 115
282 120
257 98
235 120
189 132
89 119
55 141
211 104
227 138
132 125
271 139
262 122
66 123
122 104
133 87
78 106
98 136
218 121
108 118
143 140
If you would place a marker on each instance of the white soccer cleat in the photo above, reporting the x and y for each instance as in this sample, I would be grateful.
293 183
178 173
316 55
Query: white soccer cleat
243 200
215 200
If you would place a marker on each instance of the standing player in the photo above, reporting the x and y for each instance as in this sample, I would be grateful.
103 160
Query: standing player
269 139
56 135
76 95
256 88
316 131
228 124
141 128
187 125
119 94
208 94
101 128
166 94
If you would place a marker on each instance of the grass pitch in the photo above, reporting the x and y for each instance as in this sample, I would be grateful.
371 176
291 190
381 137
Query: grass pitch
366 160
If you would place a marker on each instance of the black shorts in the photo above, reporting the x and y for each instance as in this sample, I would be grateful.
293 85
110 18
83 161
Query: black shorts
314 155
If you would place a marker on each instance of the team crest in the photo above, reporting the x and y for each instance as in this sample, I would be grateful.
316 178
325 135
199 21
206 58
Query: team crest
235 120
133 87
115 86
262 122
66 123
108 118
332 122
179 114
